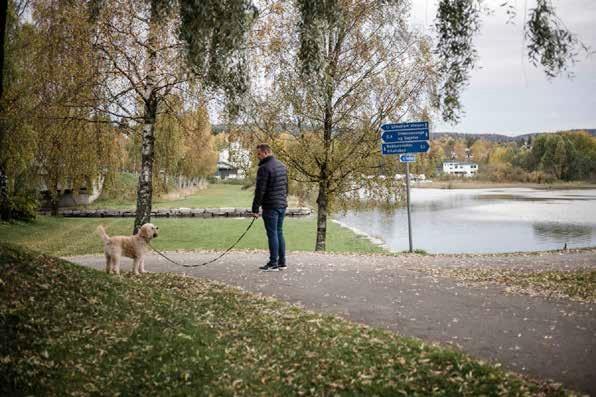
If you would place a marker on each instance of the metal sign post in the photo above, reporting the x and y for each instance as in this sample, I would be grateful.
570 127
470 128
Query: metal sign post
403 139
408 198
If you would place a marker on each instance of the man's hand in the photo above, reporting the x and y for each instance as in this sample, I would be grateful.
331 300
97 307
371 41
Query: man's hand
255 215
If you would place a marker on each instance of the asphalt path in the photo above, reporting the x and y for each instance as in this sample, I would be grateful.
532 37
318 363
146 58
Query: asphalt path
539 337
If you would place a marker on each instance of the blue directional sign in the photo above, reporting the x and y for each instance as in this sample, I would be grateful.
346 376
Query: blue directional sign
405 139
407 158
405 147
419 125
404 136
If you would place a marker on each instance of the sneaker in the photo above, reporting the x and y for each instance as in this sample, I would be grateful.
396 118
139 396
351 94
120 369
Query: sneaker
282 266
269 268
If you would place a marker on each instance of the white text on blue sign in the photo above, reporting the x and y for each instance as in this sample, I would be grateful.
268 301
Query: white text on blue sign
420 125
405 147
407 158
404 136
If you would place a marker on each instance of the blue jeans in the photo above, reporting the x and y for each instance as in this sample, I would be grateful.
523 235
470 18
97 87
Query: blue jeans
274 221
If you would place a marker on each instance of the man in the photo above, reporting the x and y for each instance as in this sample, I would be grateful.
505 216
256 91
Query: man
271 193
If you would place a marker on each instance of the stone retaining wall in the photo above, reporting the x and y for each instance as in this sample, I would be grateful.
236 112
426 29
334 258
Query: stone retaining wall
176 212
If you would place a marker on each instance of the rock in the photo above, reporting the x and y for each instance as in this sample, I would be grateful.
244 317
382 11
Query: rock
178 212
218 211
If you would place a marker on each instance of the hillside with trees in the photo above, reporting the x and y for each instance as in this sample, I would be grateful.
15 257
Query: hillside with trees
500 137
534 158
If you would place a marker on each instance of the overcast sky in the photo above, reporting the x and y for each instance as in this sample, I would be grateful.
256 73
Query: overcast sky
507 94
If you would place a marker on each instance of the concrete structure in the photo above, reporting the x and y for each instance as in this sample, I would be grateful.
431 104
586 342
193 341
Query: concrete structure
71 196
460 168
175 213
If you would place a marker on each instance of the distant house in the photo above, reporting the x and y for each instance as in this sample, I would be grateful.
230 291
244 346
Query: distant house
233 161
460 168
227 170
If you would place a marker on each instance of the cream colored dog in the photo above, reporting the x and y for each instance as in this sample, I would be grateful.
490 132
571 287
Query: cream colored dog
130 246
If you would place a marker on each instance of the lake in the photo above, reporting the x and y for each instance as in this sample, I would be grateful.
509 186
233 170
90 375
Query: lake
484 220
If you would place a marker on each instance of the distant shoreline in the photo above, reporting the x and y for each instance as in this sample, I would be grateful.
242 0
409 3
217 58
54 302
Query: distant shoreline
459 184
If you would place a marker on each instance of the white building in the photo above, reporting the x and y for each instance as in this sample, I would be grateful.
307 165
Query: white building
233 162
460 168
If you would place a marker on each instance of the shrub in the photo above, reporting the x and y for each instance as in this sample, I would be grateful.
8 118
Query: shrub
230 181
23 206
540 177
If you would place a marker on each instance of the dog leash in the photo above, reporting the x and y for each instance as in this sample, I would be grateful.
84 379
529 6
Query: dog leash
211 261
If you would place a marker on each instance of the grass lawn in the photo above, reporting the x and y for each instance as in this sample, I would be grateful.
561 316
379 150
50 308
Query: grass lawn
215 196
70 330
76 236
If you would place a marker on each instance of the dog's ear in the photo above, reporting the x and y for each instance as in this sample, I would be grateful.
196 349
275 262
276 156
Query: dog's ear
143 231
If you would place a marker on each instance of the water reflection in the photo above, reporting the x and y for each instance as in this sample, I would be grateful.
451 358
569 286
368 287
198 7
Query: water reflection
513 197
562 232
480 221
437 206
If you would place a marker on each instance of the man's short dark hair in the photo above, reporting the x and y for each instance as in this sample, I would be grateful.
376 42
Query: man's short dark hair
264 148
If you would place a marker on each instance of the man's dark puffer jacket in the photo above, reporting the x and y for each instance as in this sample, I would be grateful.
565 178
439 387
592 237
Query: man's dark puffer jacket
272 185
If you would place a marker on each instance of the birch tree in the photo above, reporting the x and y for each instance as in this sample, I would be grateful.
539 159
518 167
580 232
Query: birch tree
359 66
139 53
160 49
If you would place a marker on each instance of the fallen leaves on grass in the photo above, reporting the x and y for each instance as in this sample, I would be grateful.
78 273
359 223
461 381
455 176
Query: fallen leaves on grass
162 334
577 285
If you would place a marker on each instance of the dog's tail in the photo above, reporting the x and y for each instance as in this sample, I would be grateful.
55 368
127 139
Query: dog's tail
102 233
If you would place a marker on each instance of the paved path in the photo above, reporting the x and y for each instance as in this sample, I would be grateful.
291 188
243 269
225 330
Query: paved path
542 338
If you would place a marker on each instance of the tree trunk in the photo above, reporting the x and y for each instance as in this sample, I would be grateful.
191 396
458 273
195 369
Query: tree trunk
3 18
55 200
322 204
54 206
145 189
4 203
323 198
